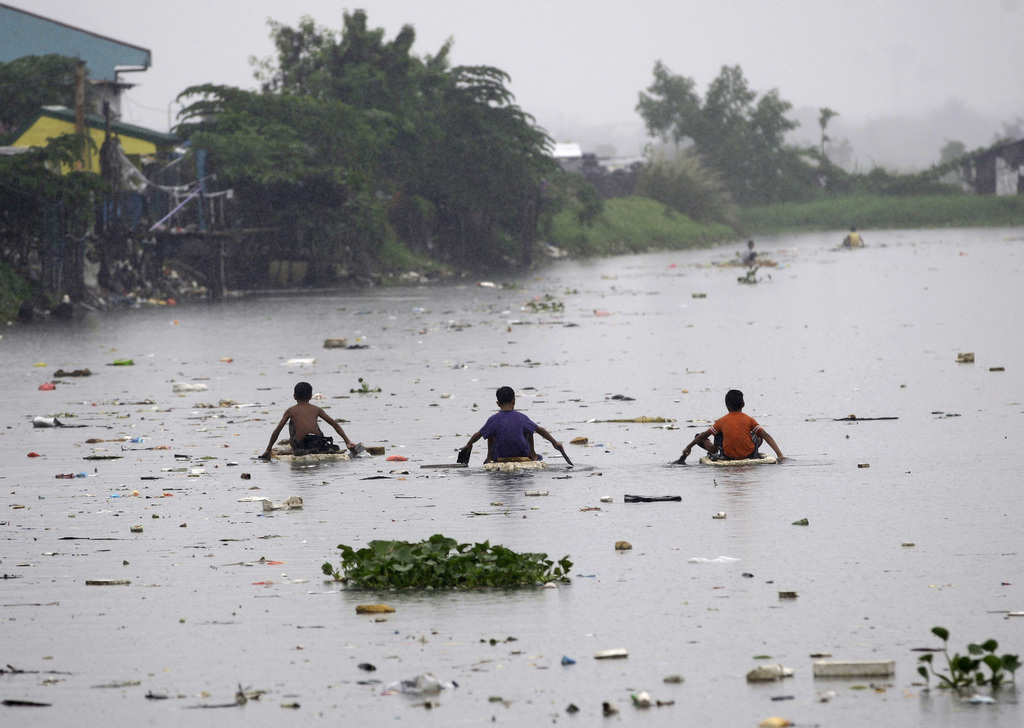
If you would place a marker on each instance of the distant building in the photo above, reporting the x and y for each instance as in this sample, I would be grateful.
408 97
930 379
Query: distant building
610 176
55 121
998 169
569 155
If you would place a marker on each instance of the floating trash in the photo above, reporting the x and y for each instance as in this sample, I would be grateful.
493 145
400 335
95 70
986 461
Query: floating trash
768 673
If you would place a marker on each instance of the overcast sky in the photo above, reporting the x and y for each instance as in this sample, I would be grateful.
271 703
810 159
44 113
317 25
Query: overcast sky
577 63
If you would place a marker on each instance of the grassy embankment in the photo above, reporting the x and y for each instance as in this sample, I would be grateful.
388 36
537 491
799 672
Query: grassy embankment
13 290
876 212
636 224
633 225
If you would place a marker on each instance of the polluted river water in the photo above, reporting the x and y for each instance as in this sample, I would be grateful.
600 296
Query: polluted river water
913 511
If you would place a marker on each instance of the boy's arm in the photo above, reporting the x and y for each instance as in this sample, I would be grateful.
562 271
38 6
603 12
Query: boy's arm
547 436
771 442
337 428
697 438
273 438
468 448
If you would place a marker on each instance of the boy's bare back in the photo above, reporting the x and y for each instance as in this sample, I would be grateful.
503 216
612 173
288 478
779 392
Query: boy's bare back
304 418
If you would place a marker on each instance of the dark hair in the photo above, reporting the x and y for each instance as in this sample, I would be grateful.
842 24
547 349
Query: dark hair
505 395
303 391
734 400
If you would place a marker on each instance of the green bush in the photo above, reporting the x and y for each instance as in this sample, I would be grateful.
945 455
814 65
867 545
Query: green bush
441 562
13 290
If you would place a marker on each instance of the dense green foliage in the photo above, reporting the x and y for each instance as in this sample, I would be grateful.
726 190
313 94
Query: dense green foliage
13 290
682 183
866 212
41 206
443 563
633 225
737 134
28 83
355 143
969 669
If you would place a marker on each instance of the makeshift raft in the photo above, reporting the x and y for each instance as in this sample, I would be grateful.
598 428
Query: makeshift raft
515 466
766 460
317 457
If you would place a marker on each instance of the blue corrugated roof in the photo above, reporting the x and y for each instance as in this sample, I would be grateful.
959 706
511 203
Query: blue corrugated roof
26 34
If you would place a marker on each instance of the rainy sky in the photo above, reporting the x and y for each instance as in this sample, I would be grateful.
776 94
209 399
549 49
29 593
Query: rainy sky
954 66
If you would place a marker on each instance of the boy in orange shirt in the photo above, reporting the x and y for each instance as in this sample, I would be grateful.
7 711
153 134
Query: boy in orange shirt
736 435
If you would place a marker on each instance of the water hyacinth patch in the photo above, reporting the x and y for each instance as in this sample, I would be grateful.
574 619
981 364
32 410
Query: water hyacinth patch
442 563
965 670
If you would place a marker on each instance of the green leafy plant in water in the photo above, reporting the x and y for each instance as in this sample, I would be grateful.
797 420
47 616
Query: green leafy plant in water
441 562
548 303
749 277
967 670
364 388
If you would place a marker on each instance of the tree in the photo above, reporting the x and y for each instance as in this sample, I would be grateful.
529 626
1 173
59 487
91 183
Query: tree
825 115
28 83
737 134
951 151
354 139
45 214
301 164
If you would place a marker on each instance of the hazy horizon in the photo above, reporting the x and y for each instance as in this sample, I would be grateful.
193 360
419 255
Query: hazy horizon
904 80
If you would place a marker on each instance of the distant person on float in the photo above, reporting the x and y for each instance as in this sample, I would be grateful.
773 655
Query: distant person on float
749 256
853 239
736 436
304 434
509 433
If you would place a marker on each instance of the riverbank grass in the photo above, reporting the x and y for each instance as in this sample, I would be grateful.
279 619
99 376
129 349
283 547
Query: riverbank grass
876 212
633 225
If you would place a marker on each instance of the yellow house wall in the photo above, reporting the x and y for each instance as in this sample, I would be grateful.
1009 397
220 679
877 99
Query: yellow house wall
47 128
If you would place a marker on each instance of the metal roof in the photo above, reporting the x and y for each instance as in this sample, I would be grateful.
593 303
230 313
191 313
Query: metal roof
26 34
95 121
566 150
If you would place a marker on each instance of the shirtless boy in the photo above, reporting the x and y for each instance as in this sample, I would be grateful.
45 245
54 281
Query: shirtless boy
303 426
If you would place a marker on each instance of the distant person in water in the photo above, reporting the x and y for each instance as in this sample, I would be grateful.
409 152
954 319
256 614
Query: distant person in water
853 239
749 256
304 433
509 433
736 436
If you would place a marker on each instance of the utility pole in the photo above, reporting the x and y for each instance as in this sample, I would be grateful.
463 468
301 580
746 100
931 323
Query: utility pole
82 163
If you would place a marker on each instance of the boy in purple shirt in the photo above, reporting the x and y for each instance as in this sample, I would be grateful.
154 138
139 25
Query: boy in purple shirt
509 433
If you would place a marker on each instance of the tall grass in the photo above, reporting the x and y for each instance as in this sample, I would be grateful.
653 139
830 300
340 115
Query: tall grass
886 212
684 184
633 225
